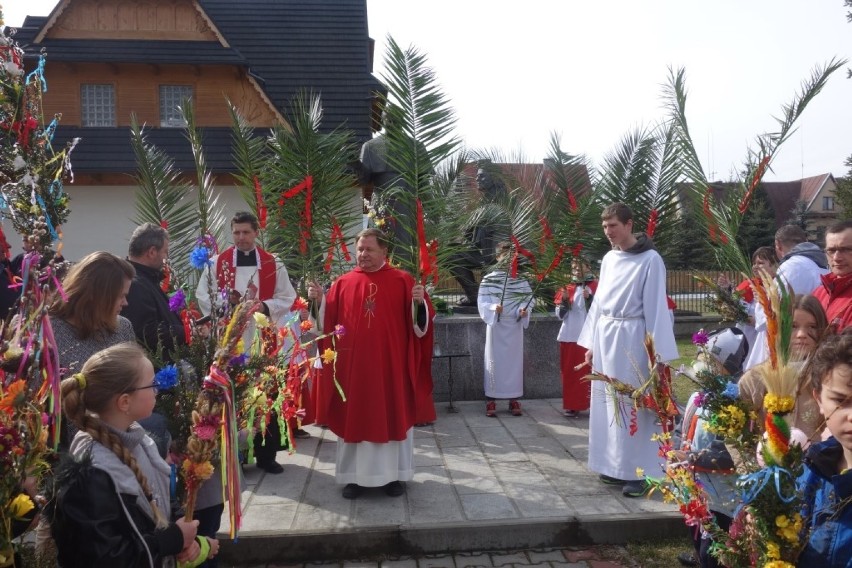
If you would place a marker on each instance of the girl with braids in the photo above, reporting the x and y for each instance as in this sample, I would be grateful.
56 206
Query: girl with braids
111 505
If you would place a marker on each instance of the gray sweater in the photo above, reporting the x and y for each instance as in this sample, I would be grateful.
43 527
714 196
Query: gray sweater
74 352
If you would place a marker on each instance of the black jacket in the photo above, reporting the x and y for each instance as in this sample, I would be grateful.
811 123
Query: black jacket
95 528
148 310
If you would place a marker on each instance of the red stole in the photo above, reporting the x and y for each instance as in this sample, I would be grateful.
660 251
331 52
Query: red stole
226 264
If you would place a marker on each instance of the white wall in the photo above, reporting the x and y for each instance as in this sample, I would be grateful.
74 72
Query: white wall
102 219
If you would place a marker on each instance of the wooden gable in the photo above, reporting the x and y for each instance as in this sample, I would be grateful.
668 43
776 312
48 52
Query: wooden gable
130 19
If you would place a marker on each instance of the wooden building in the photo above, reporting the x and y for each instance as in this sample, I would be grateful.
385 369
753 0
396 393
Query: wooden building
108 60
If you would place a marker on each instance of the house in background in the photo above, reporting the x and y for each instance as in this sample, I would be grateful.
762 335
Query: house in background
110 59
812 196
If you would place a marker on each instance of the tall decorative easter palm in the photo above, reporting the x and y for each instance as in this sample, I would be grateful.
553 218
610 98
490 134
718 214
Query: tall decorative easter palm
251 154
308 183
722 216
164 199
644 171
419 129
162 194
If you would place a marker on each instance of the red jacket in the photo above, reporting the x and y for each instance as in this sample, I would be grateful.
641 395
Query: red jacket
835 295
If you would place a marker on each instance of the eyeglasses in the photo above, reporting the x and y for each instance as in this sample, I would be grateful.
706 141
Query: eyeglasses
154 385
838 250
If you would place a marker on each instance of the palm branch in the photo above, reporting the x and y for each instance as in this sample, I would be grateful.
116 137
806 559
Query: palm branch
305 230
419 129
211 217
644 172
161 195
722 216
250 155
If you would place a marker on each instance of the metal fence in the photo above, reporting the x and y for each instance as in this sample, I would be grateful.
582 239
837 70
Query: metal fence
681 285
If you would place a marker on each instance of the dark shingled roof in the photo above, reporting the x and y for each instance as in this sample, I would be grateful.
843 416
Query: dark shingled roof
107 150
321 46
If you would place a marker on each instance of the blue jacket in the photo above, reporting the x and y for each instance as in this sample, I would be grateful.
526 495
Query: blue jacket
828 526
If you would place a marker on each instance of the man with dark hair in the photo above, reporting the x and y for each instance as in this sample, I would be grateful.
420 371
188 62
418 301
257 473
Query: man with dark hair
800 266
385 314
154 324
630 301
246 272
835 290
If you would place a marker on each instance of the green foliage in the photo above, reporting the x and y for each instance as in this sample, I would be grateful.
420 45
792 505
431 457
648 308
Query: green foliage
757 228
843 193
250 155
294 154
723 217
419 127
161 195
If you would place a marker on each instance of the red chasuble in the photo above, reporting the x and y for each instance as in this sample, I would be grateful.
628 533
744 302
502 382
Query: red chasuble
377 358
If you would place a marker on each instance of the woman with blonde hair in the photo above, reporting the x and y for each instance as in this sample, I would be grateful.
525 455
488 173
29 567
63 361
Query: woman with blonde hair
111 505
809 325
87 319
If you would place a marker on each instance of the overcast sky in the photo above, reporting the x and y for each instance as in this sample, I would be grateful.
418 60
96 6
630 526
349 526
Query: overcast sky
591 71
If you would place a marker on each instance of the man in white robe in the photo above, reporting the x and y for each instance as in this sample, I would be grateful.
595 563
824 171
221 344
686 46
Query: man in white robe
801 265
246 271
630 301
504 306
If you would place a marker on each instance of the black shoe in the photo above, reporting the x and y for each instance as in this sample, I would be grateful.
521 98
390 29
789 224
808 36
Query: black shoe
607 480
352 491
466 303
687 559
635 488
301 434
271 467
394 489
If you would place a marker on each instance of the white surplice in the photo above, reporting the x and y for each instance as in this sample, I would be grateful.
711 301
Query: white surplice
279 304
630 300
504 339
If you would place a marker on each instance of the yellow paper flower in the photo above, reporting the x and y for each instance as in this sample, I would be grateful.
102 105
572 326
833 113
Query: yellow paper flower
778 404
778 564
260 319
328 356
20 506
241 346
640 472
788 529
773 551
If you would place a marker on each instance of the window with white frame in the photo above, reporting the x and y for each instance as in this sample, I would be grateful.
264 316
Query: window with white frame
172 97
97 105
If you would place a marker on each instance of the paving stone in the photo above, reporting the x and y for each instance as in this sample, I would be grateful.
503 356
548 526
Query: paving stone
399 563
443 561
473 560
548 555
268 518
481 506
374 508
509 558
577 555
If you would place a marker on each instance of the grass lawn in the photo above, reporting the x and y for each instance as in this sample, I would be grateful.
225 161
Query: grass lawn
683 387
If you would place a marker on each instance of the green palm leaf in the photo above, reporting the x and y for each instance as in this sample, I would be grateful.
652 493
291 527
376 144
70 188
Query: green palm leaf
336 200
161 196
722 215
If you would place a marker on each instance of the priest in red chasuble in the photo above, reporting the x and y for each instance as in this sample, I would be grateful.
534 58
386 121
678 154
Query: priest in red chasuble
385 316
245 270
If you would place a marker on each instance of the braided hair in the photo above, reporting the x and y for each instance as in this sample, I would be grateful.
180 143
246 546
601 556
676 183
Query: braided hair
107 374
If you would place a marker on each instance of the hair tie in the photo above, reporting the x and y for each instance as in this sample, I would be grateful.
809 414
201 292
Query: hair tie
81 380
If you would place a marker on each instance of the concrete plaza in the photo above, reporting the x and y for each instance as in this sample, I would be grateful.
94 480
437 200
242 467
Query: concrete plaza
480 484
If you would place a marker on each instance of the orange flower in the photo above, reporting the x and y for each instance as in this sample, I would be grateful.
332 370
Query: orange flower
306 325
12 395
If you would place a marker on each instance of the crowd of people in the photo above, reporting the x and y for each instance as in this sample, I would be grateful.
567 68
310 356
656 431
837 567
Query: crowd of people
115 492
